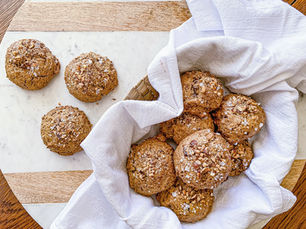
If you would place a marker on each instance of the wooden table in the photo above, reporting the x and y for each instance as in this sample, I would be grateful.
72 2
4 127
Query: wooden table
12 214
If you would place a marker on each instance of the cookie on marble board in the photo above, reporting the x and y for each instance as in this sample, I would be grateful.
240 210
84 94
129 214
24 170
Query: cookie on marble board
184 125
241 156
30 64
202 92
189 204
64 128
90 76
202 160
150 166
239 118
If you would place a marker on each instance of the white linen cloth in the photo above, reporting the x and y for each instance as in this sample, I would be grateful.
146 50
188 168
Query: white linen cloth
258 48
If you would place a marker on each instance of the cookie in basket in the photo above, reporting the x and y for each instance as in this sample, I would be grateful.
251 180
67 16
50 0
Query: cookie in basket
189 204
202 160
90 76
241 155
150 166
184 125
239 118
202 92
30 64
64 128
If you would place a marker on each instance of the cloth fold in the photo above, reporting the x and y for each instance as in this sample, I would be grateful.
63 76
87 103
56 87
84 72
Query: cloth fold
257 48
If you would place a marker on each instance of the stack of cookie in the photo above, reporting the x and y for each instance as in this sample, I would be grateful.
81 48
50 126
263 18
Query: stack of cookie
212 134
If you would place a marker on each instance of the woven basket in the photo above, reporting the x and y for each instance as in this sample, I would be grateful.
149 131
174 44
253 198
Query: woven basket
142 91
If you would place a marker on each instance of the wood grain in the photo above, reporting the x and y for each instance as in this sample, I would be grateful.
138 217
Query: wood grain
7 12
12 214
45 187
300 5
57 187
295 218
100 16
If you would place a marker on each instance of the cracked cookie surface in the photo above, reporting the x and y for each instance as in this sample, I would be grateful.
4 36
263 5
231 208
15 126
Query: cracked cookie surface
64 128
30 64
90 76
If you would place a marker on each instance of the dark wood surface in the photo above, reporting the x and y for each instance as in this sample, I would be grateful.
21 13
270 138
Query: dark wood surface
13 215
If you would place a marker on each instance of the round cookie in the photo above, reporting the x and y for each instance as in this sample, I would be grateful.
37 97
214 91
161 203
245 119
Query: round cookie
190 205
239 118
184 125
202 92
30 64
241 156
150 166
64 128
90 76
202 160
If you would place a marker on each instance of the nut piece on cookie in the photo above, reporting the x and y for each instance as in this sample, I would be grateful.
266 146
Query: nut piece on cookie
239 118
202 160
202 92
30 64
150 166
90 76
190 205
184 125
241 155
64 128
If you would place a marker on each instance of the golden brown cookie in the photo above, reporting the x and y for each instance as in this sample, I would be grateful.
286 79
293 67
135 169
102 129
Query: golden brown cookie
242 155
30 64
239 118
202 160
190 205
64 128
90 76
184 125
150 166
202 92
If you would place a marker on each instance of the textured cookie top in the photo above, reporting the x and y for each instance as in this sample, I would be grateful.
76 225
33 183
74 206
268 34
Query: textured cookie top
150 166
30 64
90 76
239 118
190 205
184 125
203 160
241 156
64 128
202 92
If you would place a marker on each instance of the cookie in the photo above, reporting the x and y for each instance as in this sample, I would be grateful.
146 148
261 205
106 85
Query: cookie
239 118
190 205
30 64
90 76
203 160
64 128
202 92
150 166
241 156
184 125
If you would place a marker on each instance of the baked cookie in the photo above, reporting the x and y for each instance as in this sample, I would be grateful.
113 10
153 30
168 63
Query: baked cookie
203 160
90 76
184 125
202 92
150 166
242 156
30 64
64 128
190 205
239 118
